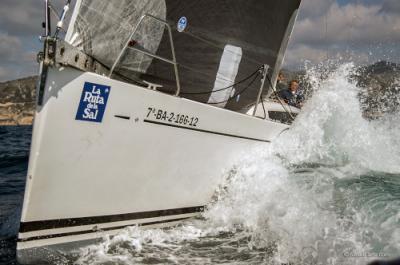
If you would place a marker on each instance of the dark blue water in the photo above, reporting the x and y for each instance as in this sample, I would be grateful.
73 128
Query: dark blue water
14 154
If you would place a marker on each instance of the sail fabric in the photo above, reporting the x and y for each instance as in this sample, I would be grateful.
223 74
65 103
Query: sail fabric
226 75
102 27
255 31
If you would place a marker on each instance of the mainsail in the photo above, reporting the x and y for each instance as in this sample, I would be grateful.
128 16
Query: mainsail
217 43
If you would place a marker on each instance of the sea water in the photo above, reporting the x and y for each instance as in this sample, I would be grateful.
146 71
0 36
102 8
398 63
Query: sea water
14 152
325 192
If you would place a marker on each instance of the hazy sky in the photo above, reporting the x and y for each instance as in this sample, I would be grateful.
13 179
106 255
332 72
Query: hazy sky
363 31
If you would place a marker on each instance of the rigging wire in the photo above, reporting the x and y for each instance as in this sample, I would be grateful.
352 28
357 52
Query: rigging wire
255 75
238 93
280 100
221 89
262 104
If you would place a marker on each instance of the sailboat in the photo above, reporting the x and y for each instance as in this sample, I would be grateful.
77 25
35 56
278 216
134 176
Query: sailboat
142 105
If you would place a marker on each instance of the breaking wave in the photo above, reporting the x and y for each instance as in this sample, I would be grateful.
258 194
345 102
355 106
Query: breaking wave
325 192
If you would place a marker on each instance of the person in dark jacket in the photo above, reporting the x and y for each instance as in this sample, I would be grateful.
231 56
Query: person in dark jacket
281 83
291 95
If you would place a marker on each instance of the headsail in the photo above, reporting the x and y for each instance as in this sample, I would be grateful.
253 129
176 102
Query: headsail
254 31
101 28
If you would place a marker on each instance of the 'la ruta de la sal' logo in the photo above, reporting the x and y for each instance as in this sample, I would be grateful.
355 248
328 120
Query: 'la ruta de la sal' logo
93 102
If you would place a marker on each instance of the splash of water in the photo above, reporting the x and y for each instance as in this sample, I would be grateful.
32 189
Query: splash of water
332 130
325 192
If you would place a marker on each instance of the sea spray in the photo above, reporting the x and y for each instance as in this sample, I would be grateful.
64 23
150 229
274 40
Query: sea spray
307 208
332 130
325 192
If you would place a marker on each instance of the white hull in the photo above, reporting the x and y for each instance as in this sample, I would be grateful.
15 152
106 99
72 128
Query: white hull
135 167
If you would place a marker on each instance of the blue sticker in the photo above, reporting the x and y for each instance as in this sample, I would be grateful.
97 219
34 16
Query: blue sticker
182 23
93 102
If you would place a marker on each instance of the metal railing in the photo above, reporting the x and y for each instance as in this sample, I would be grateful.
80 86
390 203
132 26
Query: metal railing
264 75
47 26
173 61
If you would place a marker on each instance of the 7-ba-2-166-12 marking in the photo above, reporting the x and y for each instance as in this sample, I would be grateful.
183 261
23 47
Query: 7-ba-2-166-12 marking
172 117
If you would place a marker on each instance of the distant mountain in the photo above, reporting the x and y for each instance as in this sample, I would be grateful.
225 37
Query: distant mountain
17 101
381 67
381 88
380 93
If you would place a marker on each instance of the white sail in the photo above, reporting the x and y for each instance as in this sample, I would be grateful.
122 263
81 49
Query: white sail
101 28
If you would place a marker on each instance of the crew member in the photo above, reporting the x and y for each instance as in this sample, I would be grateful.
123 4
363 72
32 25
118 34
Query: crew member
292 95
280 83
